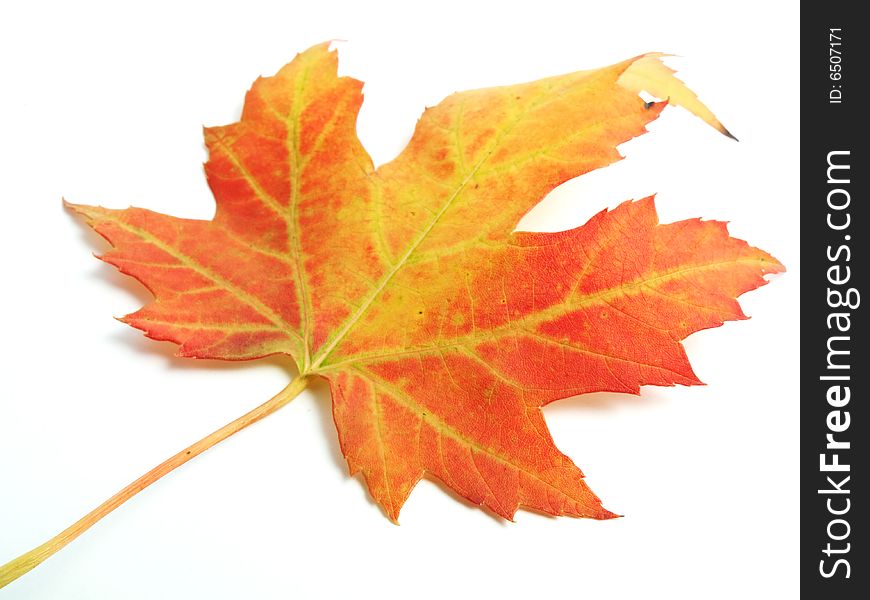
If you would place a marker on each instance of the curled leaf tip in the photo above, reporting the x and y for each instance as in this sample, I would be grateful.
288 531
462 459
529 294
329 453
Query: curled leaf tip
648 73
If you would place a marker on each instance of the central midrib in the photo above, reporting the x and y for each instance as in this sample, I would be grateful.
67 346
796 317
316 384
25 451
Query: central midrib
295 242
327 350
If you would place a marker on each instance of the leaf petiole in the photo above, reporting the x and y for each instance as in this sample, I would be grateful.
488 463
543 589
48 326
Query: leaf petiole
29 560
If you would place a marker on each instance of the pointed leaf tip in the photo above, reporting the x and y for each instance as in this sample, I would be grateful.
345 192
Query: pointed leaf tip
648 73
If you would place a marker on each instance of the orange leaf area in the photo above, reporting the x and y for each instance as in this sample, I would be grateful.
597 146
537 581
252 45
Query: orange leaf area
441 330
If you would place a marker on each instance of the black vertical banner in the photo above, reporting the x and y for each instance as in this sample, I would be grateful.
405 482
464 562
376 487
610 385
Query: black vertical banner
835 368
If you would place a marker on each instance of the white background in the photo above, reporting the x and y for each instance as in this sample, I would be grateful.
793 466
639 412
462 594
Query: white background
104 104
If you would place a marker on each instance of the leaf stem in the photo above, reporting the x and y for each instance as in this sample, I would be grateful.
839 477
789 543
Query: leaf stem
24 563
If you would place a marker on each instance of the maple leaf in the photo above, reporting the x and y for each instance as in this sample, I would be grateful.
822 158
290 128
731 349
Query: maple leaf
441 330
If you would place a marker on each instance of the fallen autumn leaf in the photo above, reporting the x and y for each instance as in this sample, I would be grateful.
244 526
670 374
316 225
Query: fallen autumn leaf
441 330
